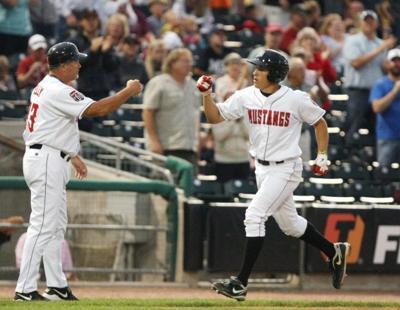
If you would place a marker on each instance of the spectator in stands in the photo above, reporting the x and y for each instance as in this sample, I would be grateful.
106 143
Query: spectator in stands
273 39
33 68
364 53
298 20
7 83
277 11
154 56
352 16
191 37
309 39
171 111
333 36
44 17
66 258
220 9
5 232
15 26
231 137
131 65
211 59
155 20
137 21
385 100
313 10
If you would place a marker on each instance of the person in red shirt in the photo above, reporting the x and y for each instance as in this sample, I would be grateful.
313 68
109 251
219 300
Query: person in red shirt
298 20
33 68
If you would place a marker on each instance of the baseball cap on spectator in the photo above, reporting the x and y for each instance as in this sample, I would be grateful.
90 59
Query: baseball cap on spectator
368 13
232 58
218 28
393 53
37 41
298 9
131 40
272 27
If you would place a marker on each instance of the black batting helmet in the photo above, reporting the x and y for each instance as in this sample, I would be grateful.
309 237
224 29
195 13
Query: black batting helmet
63 52
273 61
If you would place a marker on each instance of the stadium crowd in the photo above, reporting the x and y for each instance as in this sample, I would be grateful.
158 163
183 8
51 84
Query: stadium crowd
339 47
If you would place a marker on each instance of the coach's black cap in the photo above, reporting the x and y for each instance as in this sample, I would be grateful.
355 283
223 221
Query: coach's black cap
64 52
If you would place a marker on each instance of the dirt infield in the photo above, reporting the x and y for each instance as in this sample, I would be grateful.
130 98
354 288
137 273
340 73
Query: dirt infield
122 292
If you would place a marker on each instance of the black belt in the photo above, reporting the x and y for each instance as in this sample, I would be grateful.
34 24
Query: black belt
39 146
267 163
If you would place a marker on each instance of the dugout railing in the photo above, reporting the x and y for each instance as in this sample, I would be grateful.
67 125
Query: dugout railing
167 191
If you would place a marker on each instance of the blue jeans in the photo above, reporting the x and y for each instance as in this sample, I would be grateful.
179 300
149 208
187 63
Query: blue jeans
388 152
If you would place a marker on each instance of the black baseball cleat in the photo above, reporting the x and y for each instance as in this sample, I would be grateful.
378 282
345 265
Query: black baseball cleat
338 263
231 288
32 296
57 293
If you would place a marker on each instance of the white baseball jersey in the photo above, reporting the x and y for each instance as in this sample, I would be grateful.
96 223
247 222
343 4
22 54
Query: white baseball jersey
53 115
274 122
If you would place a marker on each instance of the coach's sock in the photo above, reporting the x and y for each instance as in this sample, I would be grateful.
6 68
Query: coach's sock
314 237
253 248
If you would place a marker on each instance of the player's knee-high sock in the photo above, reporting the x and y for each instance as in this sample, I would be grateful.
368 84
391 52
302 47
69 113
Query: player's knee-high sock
314 237
253 248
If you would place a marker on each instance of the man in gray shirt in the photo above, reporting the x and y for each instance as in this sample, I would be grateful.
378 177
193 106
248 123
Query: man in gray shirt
364 54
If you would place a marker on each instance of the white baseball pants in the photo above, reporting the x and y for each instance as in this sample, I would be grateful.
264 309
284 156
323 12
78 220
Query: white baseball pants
274 197
46 175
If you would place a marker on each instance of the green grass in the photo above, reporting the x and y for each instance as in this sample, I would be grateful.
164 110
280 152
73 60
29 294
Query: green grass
208 304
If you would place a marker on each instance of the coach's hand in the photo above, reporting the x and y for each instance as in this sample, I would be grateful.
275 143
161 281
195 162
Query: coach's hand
134 86
320 167
80 167
204 84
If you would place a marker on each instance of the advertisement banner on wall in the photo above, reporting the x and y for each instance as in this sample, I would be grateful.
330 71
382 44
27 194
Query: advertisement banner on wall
374 235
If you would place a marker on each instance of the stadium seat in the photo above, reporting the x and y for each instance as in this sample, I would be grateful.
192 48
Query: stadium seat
101 130
336 137
9 95
337 152
383 173
358 188
363 138
365 154
208 190
319 189
350 170
235 187
336 119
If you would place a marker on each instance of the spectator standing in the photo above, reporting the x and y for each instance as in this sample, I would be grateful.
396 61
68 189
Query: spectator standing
131 65
385 100
33 68
44 17
231 137
155 20
15 26
298 20
364 53
273 39
211 59
7 83
171 112
333 36
154 55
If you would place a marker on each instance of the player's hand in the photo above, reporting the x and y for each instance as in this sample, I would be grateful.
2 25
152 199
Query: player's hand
134 86
80 167
204 84
320 167
156 147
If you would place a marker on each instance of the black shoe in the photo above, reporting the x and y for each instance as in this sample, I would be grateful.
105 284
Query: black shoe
231 288
56 293
29 296
338 263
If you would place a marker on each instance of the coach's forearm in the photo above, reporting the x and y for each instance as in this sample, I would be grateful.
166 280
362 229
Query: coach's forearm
210 109
109 104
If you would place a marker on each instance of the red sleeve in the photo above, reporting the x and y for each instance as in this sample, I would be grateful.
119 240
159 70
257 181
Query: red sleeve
288 37
328 71
24 65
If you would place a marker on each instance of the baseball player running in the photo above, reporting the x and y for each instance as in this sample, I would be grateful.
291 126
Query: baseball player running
52 140
274 115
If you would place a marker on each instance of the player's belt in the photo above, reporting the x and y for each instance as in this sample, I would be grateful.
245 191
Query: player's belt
39 147
267 163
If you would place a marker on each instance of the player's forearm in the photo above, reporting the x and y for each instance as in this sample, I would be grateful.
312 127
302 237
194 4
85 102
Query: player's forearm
322 136
211 111
364 59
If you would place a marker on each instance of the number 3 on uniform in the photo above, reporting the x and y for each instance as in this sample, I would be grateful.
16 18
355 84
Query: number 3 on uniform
32 116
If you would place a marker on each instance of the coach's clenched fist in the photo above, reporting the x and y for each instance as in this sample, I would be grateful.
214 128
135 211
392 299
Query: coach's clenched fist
320 167
135 86
204 84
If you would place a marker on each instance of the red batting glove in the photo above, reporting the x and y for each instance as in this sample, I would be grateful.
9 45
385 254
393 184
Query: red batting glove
204 84
320 167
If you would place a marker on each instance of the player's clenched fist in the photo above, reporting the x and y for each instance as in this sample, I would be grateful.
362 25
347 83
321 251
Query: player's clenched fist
204 84
320 167
135 86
